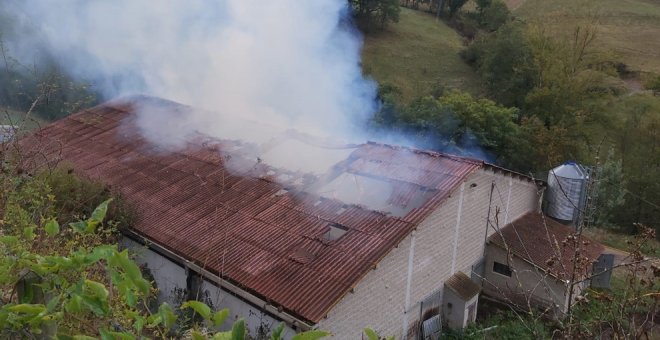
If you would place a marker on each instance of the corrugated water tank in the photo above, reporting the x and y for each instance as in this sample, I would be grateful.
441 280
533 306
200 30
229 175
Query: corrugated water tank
566 191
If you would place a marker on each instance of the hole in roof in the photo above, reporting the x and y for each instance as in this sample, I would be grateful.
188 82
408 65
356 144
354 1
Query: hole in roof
335 232
280 193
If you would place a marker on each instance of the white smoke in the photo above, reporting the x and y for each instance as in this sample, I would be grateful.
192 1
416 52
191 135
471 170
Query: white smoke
285 63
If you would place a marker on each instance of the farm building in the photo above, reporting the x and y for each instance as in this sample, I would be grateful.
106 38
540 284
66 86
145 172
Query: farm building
540 253
389 229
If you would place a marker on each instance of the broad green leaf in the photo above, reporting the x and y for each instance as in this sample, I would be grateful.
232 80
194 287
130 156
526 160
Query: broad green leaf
101 252
220 317
167 315
52 304
238 330
101 210
28 232
97 305
52 227
131 299
222 336
138 324
197 335
310 335
83 337
79 226
154 320
97 289
371 334
108 335
97 216
27 308
131 270
75 304
276 334
200 308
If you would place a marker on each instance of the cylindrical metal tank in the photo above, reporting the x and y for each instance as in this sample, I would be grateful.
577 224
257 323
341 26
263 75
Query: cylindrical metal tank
566 191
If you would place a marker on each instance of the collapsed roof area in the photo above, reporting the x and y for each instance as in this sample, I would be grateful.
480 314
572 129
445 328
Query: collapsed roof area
299 237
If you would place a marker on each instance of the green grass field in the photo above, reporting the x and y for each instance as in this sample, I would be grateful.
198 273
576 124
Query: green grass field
629 28
619 241
416 55
16 118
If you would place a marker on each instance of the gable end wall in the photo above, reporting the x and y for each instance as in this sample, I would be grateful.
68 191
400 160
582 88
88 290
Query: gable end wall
379 300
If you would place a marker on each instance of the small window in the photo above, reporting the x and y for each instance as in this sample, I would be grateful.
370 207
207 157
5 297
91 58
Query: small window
501 268
335 232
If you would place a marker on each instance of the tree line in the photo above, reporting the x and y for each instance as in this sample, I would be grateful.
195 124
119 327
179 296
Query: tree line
547 99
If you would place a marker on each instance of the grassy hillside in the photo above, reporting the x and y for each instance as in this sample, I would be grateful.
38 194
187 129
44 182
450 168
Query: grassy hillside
17 118
417 54
630 28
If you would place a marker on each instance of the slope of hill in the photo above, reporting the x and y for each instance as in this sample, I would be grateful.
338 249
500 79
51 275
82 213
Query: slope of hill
417 54
16 118
630 28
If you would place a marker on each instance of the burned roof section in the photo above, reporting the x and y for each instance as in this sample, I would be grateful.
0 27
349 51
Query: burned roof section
548 245
269 230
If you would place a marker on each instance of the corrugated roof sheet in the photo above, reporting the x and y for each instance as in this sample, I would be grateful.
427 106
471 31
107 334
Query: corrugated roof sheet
549 245
242 225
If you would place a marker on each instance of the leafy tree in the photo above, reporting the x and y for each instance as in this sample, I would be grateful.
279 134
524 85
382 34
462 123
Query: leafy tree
493 125
505 61
455 5
371 12
388 11
492 14
609 193
636 134
566 85
457 122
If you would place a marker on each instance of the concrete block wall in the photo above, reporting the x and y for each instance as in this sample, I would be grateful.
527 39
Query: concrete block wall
526 284
255 319
379 300
170 278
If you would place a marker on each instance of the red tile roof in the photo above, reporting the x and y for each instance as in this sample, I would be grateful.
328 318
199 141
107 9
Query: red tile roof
242 225
548 245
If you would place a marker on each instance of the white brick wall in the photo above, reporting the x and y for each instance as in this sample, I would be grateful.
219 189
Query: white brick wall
378 301
254 318
526 284
170 278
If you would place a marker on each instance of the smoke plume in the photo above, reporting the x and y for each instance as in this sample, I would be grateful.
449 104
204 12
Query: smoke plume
283 63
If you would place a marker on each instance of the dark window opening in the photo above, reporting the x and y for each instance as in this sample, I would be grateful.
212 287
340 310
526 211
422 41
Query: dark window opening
501 268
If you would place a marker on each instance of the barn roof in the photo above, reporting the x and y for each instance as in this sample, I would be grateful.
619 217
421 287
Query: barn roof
266 230
548 245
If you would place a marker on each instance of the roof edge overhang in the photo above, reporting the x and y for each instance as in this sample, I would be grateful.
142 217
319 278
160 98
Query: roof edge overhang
537 181
288 318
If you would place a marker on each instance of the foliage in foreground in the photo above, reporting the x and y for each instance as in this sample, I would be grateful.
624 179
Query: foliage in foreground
69 281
